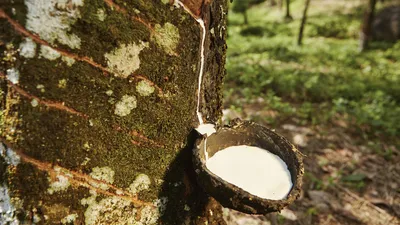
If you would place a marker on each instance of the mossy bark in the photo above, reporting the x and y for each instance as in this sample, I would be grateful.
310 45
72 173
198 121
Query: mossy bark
98 105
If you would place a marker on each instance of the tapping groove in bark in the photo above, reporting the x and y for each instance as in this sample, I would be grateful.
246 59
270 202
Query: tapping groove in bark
138 138
195 7
86 59
50 104
79 179
118 80
37 39
122 10
145 139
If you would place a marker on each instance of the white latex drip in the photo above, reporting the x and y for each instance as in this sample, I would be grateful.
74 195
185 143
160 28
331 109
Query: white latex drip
253 169
199 115
261 173
203 128
206 128
203 38
205 150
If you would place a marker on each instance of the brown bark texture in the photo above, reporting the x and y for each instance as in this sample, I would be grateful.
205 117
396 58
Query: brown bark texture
98 104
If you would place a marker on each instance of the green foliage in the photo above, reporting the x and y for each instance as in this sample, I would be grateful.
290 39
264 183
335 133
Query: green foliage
376 109
325 80
382 149
357 177
356 180
337 26
330 29
254 2
252 31
312 211
240 6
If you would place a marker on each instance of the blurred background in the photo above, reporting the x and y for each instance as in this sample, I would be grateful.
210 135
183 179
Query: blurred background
326 74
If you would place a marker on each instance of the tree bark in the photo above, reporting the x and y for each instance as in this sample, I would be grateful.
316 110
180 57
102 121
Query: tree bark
98 104
303 23
288 16
366 29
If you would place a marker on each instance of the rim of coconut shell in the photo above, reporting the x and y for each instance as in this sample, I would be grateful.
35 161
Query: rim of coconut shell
252 134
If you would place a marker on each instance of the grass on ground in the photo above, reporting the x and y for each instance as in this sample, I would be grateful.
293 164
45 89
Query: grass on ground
325 80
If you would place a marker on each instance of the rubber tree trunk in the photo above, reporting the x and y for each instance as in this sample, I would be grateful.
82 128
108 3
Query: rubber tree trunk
288 17
98 103
366 29
303 23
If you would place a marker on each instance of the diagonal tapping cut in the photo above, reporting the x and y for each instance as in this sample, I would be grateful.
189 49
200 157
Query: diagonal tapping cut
79 179
142 139
51 104
140 136
20 29
122 10
140 77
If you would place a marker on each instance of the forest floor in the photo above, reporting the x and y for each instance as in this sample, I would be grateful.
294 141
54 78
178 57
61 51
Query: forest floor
345 182
338 106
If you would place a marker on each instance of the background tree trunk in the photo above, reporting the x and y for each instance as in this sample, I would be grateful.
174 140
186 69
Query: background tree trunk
366 30
98 104
245 18
303 23
241 7
288 17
